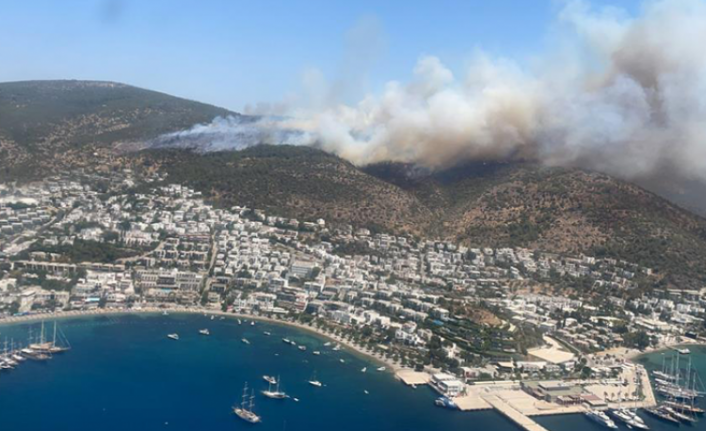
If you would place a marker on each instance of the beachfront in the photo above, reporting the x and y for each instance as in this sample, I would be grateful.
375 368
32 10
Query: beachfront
388 363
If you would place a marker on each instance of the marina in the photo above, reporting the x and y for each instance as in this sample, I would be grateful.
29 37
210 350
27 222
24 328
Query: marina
40 348
478 404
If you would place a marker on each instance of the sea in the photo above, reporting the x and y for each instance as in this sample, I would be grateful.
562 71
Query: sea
123 373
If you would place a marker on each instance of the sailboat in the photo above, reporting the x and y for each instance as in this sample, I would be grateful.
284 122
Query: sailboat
56 348
276 394
245 410
314 382
37 351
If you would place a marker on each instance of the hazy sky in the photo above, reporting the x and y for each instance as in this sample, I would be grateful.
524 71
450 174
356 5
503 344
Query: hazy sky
233 53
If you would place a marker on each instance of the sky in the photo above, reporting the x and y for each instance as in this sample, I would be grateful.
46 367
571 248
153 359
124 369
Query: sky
240 54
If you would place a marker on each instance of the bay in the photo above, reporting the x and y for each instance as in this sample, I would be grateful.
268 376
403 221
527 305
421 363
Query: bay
124 373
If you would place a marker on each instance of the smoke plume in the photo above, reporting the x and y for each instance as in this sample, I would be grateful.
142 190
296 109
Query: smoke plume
622 94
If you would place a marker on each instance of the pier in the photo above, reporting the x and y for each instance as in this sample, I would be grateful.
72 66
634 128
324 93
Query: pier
509 412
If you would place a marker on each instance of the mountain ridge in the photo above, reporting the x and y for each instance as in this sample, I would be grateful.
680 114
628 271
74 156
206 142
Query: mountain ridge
50 126
516 205
59 124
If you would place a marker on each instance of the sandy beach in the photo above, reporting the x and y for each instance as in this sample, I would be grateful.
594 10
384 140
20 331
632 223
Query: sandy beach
388 363
630 354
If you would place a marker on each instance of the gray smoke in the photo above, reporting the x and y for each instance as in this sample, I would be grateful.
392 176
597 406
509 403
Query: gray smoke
624 95
617 93
233 133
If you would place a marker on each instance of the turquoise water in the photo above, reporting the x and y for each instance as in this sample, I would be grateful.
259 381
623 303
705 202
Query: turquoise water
123 373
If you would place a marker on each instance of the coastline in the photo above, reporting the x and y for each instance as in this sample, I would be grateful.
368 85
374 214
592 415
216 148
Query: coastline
628 354
388 363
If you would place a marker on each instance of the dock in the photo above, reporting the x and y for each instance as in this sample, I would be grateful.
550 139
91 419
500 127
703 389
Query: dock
411 377
509 412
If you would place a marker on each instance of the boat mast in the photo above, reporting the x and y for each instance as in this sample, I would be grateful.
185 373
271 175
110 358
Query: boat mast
245 396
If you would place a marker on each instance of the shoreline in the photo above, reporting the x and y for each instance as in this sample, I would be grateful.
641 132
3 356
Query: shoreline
631 354
391 366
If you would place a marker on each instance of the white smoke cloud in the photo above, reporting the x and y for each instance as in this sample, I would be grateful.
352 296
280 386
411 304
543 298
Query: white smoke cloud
621 94
234 133
627 96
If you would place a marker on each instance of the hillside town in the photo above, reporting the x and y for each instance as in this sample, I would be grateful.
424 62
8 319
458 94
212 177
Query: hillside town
458 313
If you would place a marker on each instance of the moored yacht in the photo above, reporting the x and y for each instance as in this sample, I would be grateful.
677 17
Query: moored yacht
660 413
173 336
601 418
626 417
270 379
204 332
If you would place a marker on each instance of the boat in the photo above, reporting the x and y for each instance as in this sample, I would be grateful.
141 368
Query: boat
296 399
240 322
342 361
601 418
286 340
678 415
315 382
204 332
445 402
637 420
42 346
623 416
174 336
414 386
245 410
165 313
252 323
364 369
245 340
302 348
336 348
35 355
683 351
270 379
381 368
659 413
326 344
59 342
276 394
213 317
267 333
684 407
316 352
366 392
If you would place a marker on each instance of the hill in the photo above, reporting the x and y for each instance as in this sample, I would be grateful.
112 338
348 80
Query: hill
525 205
48 125
298 182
